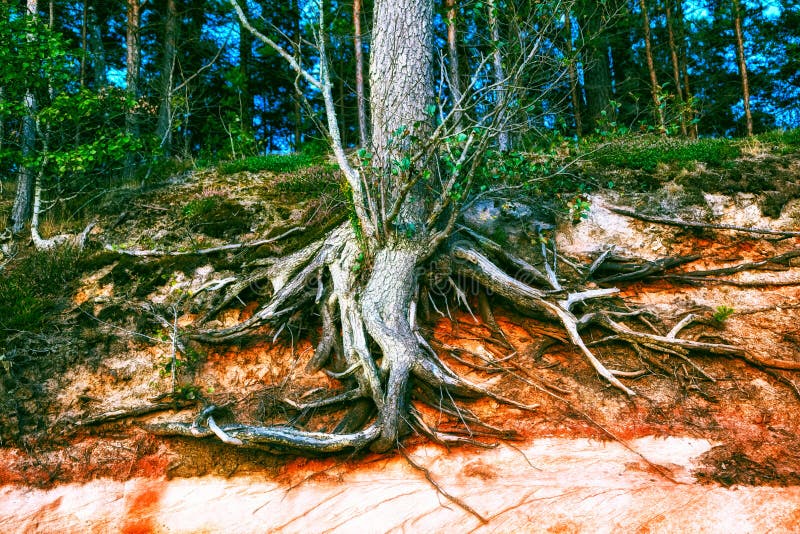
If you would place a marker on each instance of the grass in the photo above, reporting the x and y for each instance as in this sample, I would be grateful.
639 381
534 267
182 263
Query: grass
278 163
37 286
648 152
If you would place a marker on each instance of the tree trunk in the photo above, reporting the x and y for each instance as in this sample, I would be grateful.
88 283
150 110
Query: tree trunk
402 87
164 126
132 67
676 69
499 78
23 196
687 91
655 89
740 57
454 70
597 68
298 107
245 55
360 98
400 69
573 75
83 42
98 49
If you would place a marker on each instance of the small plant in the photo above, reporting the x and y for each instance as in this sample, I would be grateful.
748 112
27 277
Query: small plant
722 313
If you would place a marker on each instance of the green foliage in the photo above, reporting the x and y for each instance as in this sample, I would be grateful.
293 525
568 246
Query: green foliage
722 313
35 287
646 153
279 163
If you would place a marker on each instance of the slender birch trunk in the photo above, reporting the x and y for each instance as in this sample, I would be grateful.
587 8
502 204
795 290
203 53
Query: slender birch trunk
20 211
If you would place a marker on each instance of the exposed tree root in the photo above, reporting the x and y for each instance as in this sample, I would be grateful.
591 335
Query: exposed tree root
370 339
156 253
708 226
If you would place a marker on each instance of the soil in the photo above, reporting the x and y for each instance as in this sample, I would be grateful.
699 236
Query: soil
744 418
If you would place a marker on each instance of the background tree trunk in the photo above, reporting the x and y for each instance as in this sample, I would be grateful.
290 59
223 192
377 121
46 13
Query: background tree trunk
655 89
499 78
132 67
97 48
454 70
164 127
676 69
573 75
740 57
245 58
360 98
597 68
22 199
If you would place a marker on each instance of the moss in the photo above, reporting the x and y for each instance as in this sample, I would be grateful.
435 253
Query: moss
138 278
647 153
216 216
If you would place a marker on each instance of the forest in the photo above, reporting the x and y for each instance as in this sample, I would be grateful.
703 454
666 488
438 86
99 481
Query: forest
238 233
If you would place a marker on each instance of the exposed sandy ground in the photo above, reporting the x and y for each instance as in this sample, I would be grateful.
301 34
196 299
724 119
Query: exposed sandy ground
550 485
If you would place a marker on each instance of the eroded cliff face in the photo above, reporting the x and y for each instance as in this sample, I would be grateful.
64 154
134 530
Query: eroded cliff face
709 443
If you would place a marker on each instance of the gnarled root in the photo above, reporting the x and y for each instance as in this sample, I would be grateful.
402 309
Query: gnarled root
371 341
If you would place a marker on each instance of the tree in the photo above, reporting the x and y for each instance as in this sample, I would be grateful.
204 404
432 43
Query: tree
454 70
655 88
742 63
592 19
23 197
499 75
367 278
676 69
168 58
132 71
573 75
